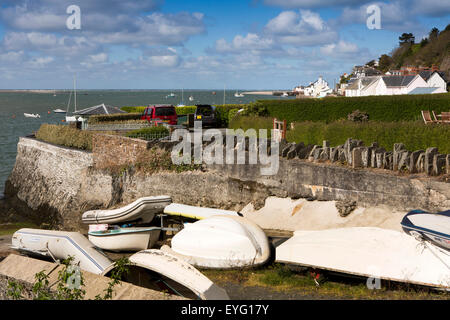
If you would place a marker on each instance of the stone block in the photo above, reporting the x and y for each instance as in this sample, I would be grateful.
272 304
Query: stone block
357 161
428 161
439 164
412 166
304 152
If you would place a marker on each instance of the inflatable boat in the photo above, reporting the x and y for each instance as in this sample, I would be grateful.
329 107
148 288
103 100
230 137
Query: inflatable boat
143 210
434 227
182 210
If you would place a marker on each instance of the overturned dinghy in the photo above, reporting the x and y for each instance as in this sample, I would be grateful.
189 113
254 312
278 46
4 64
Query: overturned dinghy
125 239
369 252
152 269
221 242
61 245
142 210
182 210
434 227
174 275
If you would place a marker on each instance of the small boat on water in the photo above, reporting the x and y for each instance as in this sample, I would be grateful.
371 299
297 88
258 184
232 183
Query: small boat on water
221 242
434 227
31 115
125 239
238 95
191 98
369 252
59 111
152 269
143 210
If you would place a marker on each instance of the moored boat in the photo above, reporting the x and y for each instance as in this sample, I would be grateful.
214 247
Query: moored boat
434 227
32 115
193 212
125 239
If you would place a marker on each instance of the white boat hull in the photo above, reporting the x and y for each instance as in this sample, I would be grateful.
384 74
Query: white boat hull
125 239
142 210
221 242
31 115
62 244
369 252
182 210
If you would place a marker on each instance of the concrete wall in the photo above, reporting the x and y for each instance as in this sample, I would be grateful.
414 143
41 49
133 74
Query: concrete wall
56 185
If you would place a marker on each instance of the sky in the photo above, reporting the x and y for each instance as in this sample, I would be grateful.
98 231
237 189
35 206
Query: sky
195 44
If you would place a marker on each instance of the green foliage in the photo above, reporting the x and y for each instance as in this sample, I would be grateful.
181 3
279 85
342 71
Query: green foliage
153 130
379 108
139 109
14 290
64 135
185 110
414 134
101 118
121 267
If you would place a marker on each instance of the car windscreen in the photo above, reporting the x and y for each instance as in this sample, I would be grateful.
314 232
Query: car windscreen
204 110
165 111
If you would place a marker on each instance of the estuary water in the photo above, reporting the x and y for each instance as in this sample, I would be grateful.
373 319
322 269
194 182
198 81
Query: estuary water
13 105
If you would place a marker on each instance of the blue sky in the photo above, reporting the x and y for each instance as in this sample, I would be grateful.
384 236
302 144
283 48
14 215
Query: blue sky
158 44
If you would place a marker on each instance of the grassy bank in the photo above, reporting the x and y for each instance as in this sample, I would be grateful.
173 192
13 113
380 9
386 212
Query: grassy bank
415 135
280 278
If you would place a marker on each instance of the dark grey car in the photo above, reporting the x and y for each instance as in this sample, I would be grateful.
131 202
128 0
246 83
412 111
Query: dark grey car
206 114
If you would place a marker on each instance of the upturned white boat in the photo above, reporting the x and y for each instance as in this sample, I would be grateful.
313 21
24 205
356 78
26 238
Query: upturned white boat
221 242
182 210
125 239
152 269
143 210
59 111
369 252
31 115
434 227
61 245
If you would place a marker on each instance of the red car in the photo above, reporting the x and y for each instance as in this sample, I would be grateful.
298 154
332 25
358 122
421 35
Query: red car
165 113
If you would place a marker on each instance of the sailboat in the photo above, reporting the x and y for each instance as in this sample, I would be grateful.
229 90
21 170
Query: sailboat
72 118
238 95
182 99
191 98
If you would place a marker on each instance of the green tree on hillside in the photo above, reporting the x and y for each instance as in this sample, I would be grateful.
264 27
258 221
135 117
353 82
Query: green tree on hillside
407 38
385 63
434 33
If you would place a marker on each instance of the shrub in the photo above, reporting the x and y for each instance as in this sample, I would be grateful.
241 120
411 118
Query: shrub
379 108
149 133
139 109
65 136
185 110
114 117
358 116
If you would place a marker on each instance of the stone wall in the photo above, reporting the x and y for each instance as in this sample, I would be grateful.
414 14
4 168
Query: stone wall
56 185
111 150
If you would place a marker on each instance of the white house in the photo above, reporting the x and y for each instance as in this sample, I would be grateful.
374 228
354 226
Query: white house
436 80
318 89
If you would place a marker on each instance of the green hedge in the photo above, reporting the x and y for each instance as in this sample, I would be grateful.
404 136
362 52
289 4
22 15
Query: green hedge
114 117
150 131
415 135
379 108
64 135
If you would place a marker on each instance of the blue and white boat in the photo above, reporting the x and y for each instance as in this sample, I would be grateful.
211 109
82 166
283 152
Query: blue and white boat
434 227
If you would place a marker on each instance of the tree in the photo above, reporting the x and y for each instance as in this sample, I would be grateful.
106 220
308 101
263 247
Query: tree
434 33
371 63
407 38
385 63
424 42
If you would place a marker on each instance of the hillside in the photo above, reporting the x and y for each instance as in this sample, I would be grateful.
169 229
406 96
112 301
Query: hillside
433 50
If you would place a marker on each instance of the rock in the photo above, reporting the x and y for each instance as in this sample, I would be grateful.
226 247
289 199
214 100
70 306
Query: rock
387 160
326 144
365 156
428 161
403 160
447 164
311 154
292 153
398 149
439 164
349 145
316 153
357 161
286 149
373 159
303 153
379 159
345 207
420 164
412 166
